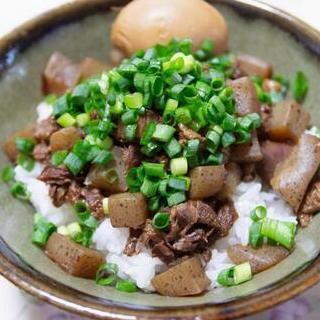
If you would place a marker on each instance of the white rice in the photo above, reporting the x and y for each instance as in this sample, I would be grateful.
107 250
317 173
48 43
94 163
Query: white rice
142 267
248 195
40 198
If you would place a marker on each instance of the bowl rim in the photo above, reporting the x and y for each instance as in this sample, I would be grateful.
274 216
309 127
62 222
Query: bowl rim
70 300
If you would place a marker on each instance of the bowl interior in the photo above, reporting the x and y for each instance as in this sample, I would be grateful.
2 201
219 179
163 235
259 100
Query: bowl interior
20 93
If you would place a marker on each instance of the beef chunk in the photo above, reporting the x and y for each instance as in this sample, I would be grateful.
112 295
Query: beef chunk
260 259
311 203
226 217
245 96
60 75
252 66
287 122
58 194
293 175
186 133
163 252
246 152
55 175
41 152
45 128
273 154
93 198
131 157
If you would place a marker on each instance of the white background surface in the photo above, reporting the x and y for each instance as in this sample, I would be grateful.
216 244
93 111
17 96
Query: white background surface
16 306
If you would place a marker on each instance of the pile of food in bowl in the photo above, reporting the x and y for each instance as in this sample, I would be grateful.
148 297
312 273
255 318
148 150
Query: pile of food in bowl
183 168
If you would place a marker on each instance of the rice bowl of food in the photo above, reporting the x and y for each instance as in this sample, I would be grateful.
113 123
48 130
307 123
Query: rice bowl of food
185 166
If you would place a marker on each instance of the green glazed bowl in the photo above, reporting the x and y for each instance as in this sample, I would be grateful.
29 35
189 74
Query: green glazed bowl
82 29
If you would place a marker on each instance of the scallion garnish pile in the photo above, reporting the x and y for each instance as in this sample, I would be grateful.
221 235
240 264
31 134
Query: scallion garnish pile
186 91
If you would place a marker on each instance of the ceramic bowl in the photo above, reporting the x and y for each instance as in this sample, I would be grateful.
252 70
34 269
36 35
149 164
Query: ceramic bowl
82 29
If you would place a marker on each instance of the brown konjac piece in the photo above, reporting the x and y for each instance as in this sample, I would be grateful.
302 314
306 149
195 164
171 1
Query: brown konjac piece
311 203
273 154
127 210
64 139
123 160
73 258
206 181
60 74
247 152
252 66
260 259
184 279
45 128
90 67
287 122
233 178
292 177
10 144
245 96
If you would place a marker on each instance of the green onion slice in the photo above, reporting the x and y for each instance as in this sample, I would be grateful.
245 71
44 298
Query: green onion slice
258 213
235 275
161 220
107 274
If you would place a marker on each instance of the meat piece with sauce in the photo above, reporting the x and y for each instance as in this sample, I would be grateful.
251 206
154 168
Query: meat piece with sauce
252 66
292 177
226 217
127 210
73 258
232 179
90 67
45 128
247 152
206 181
288 121
10 145
260 259
60 75
187 278
112 177
311 203
64 139
245 96
273 154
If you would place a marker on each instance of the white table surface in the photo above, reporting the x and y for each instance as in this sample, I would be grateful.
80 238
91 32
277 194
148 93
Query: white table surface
15 305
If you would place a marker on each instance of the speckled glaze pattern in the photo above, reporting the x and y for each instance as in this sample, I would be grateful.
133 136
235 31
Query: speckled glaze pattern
81 29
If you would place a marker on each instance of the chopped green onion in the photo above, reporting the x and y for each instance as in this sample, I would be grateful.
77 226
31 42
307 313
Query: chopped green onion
7 173
163 132
24 145
172 148
258 213
255 236
26 162
149 188
213 139
82 119
154 169
135 178
66 120
58 157
227 139
126 286
235 275
147 133
154 204
183 115
162 189
176 198
130 132
178 183
161 220
134 100
282 232
107 274
42 229
19 191
74 229
74 163
63 230
50 99
215 159
170 107
130 117
103 157
105 206
179 166
300 86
